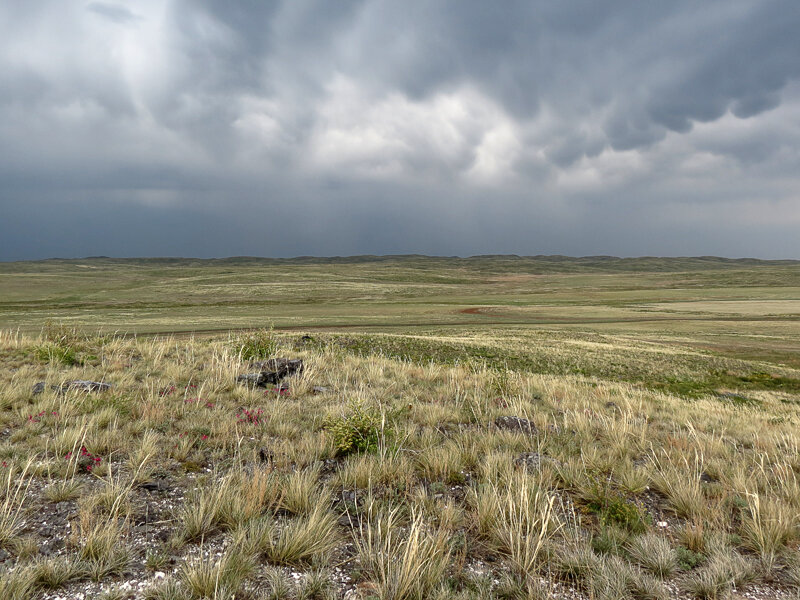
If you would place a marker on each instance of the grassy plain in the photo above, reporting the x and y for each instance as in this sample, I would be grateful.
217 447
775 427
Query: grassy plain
494 427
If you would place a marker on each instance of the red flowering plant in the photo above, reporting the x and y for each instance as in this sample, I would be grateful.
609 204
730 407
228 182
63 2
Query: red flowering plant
37 418
84 459
282 390
251 417
191 439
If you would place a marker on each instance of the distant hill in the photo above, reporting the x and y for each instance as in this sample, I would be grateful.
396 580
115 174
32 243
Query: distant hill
497 262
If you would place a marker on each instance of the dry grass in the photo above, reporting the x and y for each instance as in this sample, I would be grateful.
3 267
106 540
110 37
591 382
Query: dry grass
403 563
618 492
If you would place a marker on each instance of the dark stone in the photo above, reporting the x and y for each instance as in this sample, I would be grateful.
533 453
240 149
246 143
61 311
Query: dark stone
283 366
266 455
141 529
515 424
706 478
163 535
272 372
39 387
329 465
157 485
345 521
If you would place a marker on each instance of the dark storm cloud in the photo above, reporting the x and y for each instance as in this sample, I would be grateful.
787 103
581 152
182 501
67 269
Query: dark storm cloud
307 126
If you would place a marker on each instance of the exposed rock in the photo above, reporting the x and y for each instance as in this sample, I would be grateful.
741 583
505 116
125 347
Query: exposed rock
157 485
51 546
329 465
282 366
251 379
84 386
272 371
534 460
512 423
78 384
706 478
345 521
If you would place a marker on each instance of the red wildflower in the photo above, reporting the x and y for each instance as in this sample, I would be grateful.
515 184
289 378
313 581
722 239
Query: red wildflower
250 416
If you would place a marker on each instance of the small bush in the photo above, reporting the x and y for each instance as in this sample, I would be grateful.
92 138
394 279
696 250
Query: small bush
687 559
613 509
358 431
57 353
256 345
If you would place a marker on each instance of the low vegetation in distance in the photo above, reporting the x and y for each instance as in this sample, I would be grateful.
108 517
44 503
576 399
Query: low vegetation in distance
594 432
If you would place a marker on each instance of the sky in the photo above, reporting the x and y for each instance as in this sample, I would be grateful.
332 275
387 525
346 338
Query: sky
444 127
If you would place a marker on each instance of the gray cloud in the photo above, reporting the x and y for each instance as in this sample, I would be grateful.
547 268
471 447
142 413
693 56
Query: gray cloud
113 12
371 126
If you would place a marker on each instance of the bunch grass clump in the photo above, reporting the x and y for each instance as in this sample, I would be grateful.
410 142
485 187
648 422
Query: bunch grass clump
402 562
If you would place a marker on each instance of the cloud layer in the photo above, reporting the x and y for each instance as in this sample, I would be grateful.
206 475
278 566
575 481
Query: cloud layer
203 128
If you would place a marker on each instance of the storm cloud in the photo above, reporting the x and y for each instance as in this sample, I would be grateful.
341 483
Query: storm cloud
204 128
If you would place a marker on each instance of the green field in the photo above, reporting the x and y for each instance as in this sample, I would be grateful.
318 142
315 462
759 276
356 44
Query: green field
737 308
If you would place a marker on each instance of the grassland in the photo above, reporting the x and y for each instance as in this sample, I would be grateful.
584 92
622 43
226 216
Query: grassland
463 428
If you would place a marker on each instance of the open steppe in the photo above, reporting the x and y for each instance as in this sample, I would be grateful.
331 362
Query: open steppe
493 427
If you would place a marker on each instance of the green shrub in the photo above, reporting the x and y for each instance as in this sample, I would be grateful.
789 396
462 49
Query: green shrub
57 353
358 431
256 345
687 559
614 509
